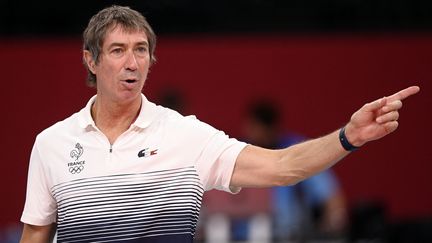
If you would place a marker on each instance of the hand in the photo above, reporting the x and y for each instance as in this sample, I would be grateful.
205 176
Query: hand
377 119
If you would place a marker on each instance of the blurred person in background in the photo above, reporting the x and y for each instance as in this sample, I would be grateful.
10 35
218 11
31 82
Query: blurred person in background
313 208
173 98
124 169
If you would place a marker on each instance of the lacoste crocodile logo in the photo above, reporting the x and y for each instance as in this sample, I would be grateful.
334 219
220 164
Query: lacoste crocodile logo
147 152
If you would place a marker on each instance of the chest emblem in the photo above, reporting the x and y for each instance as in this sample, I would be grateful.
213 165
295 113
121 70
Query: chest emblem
76 166
147 152
76 153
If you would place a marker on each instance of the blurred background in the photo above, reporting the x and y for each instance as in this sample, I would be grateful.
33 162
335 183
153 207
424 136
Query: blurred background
270 72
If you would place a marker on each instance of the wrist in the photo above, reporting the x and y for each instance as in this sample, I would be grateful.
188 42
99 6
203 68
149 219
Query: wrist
346 141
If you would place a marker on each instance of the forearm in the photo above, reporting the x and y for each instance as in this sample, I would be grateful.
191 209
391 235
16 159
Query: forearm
306 159
259 167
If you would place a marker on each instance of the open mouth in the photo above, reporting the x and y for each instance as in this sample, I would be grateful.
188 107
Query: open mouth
130 81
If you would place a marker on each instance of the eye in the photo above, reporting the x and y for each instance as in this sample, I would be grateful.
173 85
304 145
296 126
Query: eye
117 51
141 49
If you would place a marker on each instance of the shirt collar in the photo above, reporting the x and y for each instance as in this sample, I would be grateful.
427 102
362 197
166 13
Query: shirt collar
147 113
85 119
145 117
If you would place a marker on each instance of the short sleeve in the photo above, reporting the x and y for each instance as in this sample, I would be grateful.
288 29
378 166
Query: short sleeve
40 207
217 159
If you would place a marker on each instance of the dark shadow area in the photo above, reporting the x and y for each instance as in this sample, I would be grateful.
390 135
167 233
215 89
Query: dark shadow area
191 16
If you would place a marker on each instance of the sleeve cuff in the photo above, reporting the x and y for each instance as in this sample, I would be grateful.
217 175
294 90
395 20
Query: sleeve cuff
232 154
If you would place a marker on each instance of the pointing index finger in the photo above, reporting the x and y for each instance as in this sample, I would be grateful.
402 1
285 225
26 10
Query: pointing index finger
403 94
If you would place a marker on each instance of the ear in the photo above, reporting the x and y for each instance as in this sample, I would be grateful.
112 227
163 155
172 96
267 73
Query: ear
88 59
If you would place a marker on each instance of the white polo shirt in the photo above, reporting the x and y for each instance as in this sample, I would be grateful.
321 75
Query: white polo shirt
146 187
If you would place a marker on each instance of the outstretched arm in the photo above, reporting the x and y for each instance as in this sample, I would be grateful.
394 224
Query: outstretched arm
259 167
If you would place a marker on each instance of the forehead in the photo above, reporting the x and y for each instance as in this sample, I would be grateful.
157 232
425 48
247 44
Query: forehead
118 34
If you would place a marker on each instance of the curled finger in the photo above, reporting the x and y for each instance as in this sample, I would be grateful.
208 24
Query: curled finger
387 117
392 106
391 126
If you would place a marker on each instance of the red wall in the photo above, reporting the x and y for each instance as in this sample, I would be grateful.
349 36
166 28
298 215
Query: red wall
320 80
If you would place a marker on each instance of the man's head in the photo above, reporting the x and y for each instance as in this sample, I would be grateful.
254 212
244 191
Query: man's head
107 20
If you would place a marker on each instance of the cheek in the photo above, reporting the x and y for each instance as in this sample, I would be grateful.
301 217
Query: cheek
145 61
145 66
108 69
104 76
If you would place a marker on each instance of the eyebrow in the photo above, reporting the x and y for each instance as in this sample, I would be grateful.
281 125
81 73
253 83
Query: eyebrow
119 44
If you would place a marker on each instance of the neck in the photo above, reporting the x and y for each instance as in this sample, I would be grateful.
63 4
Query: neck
113 118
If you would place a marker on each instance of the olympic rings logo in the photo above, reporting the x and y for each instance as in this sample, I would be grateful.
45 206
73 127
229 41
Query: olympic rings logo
76 169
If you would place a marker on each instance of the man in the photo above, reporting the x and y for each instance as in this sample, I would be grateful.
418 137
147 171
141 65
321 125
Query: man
125 170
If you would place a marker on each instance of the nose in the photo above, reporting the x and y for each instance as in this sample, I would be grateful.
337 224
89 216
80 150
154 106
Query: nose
131 62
